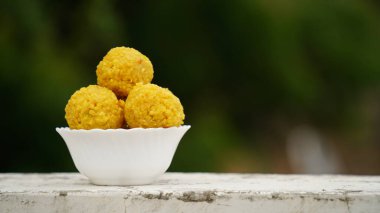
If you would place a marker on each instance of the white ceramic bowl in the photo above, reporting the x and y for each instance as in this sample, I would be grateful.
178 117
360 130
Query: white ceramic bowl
122 156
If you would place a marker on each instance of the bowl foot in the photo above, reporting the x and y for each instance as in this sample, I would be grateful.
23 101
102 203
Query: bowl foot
122 181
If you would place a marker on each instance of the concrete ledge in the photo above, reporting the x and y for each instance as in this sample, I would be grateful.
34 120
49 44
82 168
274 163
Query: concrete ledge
192 192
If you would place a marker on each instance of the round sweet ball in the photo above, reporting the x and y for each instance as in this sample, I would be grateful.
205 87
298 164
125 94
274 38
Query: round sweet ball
94 107
122 68
151 106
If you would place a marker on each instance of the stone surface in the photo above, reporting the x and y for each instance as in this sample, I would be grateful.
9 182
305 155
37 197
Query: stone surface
192 192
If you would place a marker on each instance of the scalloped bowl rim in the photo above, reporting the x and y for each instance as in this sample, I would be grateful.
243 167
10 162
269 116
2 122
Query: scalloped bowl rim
121 129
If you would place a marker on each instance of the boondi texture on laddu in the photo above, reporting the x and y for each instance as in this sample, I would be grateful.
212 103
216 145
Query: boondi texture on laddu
122 68
151 106
124 73
94 107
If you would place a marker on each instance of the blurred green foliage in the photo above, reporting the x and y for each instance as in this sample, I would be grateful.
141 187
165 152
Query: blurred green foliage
245 71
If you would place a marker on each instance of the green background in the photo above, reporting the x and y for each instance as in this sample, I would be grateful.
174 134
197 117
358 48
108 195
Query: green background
247 73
